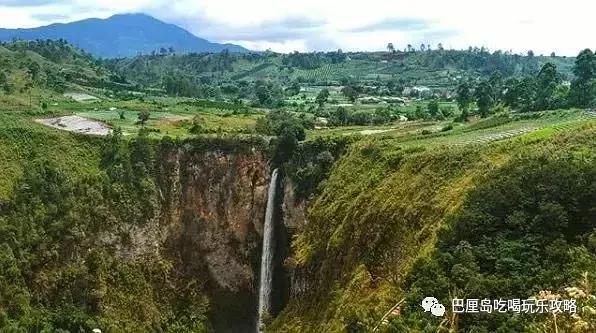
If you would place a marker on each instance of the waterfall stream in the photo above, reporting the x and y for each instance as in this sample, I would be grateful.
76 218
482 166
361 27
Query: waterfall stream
267 254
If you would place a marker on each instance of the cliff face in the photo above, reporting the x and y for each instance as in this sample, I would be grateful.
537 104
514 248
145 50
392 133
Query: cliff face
294 218
294 209
214 204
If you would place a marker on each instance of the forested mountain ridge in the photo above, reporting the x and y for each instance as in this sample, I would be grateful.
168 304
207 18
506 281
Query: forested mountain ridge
122 35
42 67
434 68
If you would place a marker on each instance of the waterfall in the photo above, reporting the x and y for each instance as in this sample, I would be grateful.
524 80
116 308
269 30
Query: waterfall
267 255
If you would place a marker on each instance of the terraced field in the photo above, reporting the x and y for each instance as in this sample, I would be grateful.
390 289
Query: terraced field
427 133
539 124
356 69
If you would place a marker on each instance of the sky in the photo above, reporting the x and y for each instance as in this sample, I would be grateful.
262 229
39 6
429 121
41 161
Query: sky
321 25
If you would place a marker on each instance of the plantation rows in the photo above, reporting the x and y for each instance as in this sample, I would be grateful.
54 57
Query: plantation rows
489 137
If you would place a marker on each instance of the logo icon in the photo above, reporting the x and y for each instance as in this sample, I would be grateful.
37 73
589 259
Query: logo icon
432 304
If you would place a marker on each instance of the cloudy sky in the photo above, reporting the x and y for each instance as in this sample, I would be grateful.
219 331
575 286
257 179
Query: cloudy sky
306 25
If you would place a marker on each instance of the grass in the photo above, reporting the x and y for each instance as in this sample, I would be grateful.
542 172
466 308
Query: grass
168 116
430 133
22 140
383 205
174 123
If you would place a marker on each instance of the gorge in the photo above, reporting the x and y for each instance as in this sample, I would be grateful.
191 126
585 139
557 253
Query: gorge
198 234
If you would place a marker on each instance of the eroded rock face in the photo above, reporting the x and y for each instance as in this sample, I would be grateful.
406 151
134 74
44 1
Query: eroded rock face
294 210
217 205
213 206
294 218
210 226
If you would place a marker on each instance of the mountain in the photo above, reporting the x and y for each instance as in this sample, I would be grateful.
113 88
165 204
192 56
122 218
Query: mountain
122 35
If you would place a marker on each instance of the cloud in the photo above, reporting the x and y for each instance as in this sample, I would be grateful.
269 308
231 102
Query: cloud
267 31
403 24
26 3
49 17
351 25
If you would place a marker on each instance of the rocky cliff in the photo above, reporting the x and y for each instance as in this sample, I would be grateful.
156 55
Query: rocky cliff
213 206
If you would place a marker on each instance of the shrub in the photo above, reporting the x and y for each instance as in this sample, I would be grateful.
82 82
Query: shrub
143 117
447 128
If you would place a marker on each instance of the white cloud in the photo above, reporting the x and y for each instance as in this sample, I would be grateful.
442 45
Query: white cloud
261 24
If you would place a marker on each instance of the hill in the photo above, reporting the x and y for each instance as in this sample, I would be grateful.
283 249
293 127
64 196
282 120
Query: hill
439 69
121 36
392 225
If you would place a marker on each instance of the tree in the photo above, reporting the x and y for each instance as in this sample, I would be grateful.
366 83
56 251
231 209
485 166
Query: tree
433 108
196 127
390 48
141 155
547 81
484 98
585 65
143 117
262 93
276 122
350 92
527 93
180 85
464 96
33 68
322 97
583 88
382 115
496 81
421 113
293 89
268 93
340 116
115 155
521 93
511 95
447 111
285 145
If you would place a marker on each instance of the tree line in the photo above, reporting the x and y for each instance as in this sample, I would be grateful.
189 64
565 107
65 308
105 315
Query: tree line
544 90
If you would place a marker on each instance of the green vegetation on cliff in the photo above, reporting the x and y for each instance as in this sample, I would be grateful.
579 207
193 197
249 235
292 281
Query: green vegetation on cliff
88 230
66 237
506 219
